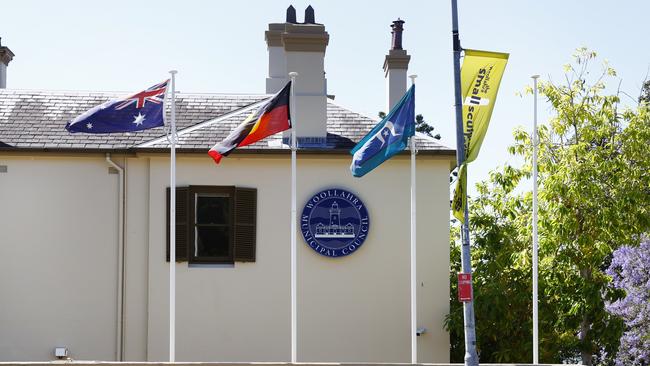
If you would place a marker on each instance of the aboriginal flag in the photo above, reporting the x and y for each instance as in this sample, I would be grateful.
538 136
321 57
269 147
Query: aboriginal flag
269 119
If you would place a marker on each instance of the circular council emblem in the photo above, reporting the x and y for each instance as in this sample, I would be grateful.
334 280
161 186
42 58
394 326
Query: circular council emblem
334 222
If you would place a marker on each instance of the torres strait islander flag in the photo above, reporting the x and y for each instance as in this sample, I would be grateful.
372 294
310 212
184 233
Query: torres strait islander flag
137 112
267 120
389 137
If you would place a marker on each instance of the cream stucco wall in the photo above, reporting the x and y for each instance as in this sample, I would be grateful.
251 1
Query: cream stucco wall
58 281
352 309
136 259
58 247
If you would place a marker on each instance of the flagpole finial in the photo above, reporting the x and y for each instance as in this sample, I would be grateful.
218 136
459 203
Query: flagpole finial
293 74
413 76
535 76
173 72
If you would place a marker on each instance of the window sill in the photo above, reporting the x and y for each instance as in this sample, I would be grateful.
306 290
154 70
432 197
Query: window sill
211 265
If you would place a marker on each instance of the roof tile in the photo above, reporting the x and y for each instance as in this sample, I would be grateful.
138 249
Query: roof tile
36 119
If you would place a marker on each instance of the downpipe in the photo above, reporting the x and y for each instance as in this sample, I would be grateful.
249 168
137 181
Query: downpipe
119 336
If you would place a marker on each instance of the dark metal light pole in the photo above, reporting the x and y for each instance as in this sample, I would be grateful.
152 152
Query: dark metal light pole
471 357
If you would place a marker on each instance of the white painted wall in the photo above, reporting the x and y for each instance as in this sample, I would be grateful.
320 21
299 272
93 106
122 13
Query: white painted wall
223 313
352 309
136 259
58 241
58 244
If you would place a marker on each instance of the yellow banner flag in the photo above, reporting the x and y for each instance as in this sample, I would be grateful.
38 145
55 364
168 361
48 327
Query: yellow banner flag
460 195
480 78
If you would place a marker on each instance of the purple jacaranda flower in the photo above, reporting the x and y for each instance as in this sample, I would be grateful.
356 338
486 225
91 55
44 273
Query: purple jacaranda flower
630 272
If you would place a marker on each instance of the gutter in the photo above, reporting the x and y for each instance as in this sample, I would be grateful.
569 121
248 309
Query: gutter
119 336
133 151
286 151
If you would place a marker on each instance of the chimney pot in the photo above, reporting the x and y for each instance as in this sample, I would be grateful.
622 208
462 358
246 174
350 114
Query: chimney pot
310 17
291 14
5 57
398 27
396 66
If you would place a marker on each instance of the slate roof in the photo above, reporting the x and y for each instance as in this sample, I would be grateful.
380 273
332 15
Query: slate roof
36 119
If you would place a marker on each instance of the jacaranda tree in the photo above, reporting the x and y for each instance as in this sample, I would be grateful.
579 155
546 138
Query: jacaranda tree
630 272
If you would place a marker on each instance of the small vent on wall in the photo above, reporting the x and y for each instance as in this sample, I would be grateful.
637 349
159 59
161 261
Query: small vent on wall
112 170
3 168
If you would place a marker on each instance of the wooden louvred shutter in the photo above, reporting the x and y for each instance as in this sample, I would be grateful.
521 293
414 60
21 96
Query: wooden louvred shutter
245 224
182 223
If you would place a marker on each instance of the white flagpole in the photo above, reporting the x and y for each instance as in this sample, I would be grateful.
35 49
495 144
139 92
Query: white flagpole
294 317
172 226
535 242
414 304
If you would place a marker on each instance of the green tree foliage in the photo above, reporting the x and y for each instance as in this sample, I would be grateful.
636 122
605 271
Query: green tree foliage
501 263
645 92
422 126
594 196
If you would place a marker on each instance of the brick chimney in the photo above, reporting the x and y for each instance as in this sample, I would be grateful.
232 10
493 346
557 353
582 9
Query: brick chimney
396 66
300 47
5 57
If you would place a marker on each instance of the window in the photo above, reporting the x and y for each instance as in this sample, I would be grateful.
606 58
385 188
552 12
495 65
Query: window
214 224
211 224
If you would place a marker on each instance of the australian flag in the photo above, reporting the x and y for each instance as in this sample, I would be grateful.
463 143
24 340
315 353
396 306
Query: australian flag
137 112
388 138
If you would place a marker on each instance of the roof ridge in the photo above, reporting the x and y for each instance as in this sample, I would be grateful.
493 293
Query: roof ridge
12 90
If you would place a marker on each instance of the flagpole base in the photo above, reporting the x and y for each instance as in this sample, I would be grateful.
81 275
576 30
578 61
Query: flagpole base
471 360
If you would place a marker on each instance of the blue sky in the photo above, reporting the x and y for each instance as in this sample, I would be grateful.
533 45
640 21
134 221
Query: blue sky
218 47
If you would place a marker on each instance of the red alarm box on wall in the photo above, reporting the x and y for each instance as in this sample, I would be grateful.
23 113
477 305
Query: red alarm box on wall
464 287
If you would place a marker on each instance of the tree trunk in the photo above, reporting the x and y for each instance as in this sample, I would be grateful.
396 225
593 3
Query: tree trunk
585 352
